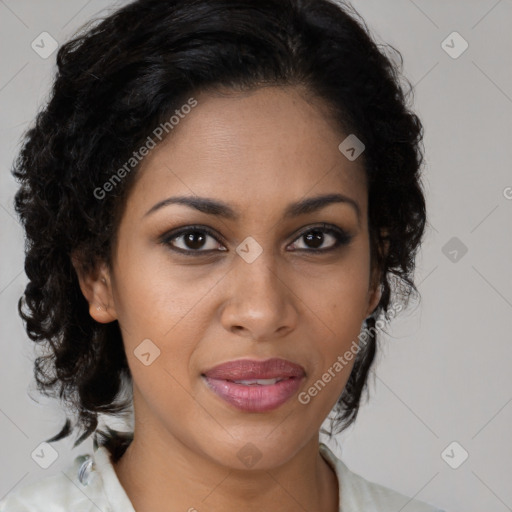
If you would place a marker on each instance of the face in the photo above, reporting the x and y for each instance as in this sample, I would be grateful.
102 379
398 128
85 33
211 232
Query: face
264 274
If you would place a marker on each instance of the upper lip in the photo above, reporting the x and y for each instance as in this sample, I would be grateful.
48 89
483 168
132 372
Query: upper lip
243 369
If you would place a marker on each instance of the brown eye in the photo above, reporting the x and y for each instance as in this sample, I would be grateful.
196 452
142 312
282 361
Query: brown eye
316 238
192 240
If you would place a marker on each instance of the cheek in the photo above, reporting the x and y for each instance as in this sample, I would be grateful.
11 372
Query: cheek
338 294
337 306
152 295
332 357
161 312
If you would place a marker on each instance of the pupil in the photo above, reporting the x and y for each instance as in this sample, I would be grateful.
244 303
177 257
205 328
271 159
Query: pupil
194 240
315 237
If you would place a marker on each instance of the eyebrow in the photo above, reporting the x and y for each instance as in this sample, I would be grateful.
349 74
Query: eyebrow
221 209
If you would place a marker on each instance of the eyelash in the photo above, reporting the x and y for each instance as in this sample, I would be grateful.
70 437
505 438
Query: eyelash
342 238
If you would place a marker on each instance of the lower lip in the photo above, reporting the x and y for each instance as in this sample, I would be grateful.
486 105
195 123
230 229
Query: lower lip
255 398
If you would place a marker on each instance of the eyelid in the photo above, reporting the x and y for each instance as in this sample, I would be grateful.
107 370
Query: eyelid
166 238
342 236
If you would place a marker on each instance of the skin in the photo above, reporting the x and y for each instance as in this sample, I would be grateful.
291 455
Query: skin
258 152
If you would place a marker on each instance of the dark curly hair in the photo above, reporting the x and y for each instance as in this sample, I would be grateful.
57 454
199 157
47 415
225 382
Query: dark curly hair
122 76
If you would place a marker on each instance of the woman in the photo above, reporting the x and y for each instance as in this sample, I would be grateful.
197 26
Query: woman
220 199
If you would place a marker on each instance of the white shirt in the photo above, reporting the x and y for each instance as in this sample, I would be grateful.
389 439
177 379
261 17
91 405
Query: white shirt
90 484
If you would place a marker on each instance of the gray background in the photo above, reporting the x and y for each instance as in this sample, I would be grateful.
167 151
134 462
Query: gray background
444 372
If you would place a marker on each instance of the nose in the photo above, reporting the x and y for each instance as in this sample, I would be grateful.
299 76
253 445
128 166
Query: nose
260 303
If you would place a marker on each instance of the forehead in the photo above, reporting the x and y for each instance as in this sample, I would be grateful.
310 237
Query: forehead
256 150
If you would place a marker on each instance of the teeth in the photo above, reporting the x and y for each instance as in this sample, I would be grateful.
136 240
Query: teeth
257 382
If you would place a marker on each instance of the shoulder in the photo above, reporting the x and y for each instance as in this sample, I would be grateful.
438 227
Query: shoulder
71 489
357 493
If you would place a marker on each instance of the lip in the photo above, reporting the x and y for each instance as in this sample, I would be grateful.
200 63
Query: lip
255 397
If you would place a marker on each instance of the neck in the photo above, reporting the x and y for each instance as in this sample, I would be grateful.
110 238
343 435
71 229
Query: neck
169 476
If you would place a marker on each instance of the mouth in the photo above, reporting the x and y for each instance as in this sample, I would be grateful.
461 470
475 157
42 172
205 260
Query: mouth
255 386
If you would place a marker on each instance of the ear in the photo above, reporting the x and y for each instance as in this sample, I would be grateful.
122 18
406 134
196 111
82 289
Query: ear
96 287
375 290
374 296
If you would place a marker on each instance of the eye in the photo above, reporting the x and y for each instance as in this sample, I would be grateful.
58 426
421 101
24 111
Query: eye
193 239
314 238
